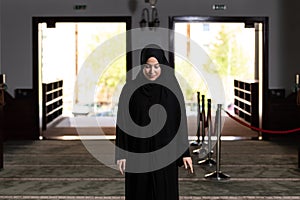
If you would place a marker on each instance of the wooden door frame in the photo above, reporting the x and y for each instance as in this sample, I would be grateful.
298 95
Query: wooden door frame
52 20
235 19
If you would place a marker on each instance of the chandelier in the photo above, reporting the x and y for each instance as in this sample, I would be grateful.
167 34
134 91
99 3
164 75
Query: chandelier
150 19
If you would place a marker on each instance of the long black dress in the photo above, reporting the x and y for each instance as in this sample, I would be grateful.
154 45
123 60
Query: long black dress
162 183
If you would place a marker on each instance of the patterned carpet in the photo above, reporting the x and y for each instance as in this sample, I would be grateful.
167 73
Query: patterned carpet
85 169
54 169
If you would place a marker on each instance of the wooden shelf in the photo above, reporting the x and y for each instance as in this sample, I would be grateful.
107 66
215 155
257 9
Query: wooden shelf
246 101
52 101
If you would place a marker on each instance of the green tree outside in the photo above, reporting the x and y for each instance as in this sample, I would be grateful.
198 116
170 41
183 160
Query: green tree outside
227 54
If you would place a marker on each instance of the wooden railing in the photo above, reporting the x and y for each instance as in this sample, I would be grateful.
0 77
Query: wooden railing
52 102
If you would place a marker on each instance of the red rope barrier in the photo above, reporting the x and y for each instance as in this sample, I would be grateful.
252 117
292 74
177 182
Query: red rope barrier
259 129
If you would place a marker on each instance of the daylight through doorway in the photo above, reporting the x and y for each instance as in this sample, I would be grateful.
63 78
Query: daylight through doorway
231 48
64 49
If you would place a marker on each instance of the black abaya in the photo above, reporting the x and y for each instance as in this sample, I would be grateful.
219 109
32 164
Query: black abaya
160 184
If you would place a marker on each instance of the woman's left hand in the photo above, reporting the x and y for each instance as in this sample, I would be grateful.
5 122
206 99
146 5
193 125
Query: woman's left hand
188 164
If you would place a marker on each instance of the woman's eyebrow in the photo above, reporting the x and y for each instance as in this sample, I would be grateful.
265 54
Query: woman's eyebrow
152 64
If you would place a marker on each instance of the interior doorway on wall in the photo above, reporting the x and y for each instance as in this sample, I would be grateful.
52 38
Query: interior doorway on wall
234 49
81 84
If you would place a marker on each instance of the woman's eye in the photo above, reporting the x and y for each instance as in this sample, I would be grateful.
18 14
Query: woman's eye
148 66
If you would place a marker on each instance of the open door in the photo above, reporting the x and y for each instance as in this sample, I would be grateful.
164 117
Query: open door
237 46
62 46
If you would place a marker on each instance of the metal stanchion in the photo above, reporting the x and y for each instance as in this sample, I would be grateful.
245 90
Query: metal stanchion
209 160
297 84
203 118
218 175
2 88
202 150
197 142
1 135
299 157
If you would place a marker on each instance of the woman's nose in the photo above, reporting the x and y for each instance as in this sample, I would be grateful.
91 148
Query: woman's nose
151 69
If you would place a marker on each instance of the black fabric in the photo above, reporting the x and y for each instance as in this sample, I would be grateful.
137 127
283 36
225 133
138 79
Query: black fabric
161 184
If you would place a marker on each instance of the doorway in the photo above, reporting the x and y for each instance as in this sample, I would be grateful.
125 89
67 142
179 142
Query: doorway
67 58
236 48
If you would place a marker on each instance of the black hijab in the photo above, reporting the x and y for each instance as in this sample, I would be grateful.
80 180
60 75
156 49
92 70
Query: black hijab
142 99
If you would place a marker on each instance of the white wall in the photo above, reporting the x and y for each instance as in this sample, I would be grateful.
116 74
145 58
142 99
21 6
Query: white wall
16 36
289 44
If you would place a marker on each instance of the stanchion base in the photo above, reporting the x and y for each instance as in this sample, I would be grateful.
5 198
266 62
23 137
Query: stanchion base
195 143
217 176
299 157
207 161
200 150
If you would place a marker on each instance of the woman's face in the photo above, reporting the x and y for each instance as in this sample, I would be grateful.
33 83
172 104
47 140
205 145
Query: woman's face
152 69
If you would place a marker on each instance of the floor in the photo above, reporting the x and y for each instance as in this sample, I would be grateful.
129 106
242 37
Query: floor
55 169
85 169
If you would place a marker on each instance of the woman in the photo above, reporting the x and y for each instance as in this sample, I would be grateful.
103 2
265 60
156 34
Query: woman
157 182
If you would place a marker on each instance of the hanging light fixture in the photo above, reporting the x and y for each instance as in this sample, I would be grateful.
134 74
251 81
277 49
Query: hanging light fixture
151 2
146 20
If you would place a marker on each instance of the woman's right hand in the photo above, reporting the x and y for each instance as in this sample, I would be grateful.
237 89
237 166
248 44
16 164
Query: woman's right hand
121 165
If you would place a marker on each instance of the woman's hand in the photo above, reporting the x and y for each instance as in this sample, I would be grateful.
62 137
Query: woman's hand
188 164
121 165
